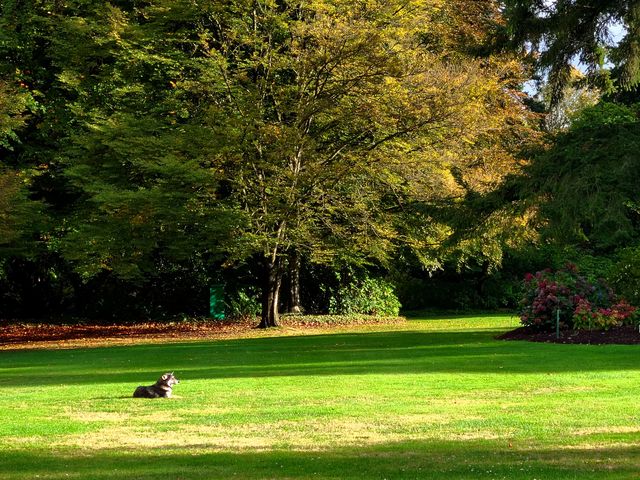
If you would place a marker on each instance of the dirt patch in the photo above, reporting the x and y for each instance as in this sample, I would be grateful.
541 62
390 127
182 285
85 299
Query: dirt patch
302 435
626 335
607 430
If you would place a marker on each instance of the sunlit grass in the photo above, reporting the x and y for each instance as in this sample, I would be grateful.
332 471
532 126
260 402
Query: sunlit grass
435 398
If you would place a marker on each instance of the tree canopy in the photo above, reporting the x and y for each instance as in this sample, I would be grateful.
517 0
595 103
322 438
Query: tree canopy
143 143
342 121
253 130
561 33
585 183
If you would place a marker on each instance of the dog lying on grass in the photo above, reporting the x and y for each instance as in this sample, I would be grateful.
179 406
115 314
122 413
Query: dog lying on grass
161 389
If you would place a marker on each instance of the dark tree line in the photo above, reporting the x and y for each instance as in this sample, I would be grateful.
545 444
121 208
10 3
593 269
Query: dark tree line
151 148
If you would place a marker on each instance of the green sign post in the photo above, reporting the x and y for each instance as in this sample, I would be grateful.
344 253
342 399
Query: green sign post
216 301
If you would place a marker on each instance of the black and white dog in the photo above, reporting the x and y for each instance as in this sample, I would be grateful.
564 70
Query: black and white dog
161 389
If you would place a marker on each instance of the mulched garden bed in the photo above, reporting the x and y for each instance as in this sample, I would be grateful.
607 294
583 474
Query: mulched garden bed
11 333
626 335
27 335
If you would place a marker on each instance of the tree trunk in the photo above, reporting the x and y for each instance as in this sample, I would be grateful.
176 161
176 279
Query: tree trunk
295 306
482 280
271 295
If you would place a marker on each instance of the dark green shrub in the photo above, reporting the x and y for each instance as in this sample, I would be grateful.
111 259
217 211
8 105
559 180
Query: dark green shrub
339 320
242 304
369 296
625 275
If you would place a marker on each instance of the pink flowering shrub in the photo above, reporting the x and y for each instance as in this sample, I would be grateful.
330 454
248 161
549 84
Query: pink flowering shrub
582 304
586 317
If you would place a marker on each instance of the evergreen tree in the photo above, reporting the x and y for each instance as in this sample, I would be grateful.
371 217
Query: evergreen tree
584 186
562 32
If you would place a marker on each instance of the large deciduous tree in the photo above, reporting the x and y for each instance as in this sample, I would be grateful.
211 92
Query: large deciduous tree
341 118
127 90
273 130
16 210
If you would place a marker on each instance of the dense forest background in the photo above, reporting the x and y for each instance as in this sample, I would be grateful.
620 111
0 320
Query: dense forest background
319 156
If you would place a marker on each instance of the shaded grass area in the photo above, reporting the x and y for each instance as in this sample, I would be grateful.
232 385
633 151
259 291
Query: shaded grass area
435 398
463 460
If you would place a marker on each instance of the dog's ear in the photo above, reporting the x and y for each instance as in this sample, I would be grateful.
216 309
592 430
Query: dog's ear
165 377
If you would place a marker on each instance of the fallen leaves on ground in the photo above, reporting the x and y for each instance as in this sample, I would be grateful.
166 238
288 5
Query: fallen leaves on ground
44 335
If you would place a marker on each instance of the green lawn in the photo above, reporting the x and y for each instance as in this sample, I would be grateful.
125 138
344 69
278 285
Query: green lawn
436 398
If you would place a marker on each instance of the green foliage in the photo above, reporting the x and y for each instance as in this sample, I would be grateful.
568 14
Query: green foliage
584 185
244 303
606 114
41 287
340 320
45 287
366 295
575 99
171 131
327 135
559 32
625 275
141 164
20 216
592 266
450 290
15 104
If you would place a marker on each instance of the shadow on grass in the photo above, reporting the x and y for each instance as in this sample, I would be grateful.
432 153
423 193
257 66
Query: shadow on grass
393 352
406 460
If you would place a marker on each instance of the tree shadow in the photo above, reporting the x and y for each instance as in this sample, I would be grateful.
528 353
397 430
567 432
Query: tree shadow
465 459
395 352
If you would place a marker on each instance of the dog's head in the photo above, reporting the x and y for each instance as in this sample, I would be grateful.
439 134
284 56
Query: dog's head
168 379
